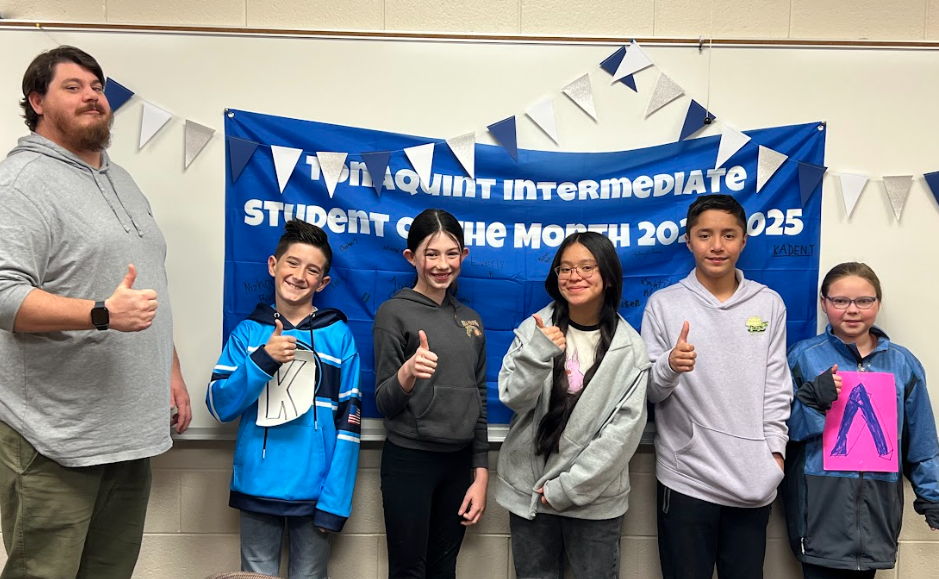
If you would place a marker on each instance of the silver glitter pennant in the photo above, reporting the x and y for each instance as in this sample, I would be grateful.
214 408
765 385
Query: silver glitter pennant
580 92
898 188
197 136
666 90
332 165
768 162
464 149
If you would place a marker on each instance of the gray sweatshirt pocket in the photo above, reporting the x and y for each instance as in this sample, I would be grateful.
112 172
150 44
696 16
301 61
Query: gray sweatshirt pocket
732 465
451 415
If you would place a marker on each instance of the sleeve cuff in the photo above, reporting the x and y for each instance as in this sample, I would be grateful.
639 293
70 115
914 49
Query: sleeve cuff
777 445
328 521
481 460
556 496
268 365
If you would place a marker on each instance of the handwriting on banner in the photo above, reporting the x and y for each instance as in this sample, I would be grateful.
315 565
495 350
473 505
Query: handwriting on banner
694 182
259 212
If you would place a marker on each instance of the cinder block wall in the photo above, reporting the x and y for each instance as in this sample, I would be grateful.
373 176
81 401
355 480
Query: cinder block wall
191 532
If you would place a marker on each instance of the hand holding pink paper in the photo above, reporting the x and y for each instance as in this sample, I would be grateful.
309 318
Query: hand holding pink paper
861 426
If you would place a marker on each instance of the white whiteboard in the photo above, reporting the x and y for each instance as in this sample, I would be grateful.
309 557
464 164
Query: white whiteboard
878 103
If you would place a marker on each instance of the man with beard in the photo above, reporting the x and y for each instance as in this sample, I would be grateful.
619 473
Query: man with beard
88 371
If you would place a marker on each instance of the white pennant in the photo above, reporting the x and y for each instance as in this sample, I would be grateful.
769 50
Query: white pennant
898 187
731 142
421 157
666 90
464 149
152 121
197 136
285 159
767 163
851 187
580 92
634 61
543 115
332 165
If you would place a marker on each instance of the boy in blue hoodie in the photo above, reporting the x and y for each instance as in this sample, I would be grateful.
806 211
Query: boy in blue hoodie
291 373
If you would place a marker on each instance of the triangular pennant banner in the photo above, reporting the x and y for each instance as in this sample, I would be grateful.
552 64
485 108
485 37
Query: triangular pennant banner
116 93
543 115
666 90
377 165
695 120
633 61
898 188
152 121
809 177
580 92
611 63
422 158
285 159
464 149
731 142
239 153
851 187
504 132
196 138
932 179
332 165
768 162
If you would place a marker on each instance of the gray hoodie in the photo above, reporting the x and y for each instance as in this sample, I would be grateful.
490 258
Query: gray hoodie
588 478
718 425
81 397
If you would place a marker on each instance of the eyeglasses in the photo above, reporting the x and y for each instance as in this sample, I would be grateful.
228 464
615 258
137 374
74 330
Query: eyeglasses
585 271
863 303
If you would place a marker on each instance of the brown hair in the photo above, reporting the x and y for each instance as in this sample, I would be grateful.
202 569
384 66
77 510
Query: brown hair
41 71
861 270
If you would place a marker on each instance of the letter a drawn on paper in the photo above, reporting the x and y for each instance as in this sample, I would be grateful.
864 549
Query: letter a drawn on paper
861 426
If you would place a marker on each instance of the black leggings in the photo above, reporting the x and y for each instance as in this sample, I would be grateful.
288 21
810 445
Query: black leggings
421 493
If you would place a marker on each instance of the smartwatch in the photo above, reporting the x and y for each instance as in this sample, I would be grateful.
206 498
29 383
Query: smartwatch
100 317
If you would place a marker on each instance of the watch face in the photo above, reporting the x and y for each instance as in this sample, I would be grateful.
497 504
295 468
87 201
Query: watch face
100 316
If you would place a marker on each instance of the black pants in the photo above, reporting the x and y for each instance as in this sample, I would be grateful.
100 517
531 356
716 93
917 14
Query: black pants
816 572
539 546
421 493
694 535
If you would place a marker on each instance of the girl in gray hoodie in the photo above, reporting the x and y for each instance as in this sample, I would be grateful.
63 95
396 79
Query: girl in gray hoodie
576 378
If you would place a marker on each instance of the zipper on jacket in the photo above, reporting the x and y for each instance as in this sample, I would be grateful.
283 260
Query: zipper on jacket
264 447
802 542
860 538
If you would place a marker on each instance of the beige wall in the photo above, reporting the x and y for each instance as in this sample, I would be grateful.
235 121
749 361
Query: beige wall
830 19
191 532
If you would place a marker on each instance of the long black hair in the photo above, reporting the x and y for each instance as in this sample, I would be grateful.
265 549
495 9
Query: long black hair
611 272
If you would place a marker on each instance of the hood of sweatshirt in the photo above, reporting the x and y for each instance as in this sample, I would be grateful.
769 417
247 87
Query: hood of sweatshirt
746 289
37 144
320 318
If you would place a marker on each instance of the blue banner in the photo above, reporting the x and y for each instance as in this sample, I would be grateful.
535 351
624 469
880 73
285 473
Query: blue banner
514 216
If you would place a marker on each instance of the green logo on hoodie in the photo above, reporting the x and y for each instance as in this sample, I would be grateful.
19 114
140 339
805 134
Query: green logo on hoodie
756 324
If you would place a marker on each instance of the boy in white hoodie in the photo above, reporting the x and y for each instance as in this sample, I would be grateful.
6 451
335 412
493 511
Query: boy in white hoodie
722 393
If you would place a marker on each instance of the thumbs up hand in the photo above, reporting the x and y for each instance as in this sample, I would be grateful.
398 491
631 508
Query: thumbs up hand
681 358
129 309
424 362
553 333
280 347
837 378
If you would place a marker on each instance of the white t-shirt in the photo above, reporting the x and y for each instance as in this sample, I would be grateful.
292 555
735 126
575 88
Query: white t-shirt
580 353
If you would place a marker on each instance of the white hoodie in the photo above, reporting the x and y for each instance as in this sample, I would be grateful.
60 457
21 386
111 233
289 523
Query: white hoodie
719 425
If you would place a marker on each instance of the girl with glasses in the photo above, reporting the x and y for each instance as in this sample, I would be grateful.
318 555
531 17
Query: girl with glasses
576 378
847 524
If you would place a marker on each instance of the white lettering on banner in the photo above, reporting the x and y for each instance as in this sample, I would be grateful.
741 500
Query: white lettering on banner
336 220
774 222
696 182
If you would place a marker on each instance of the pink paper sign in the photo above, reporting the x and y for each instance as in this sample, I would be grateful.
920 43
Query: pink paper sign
861 426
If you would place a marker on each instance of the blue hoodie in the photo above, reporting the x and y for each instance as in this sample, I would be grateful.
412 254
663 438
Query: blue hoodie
306 466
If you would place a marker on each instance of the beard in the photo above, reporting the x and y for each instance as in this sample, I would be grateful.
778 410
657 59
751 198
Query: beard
92 137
